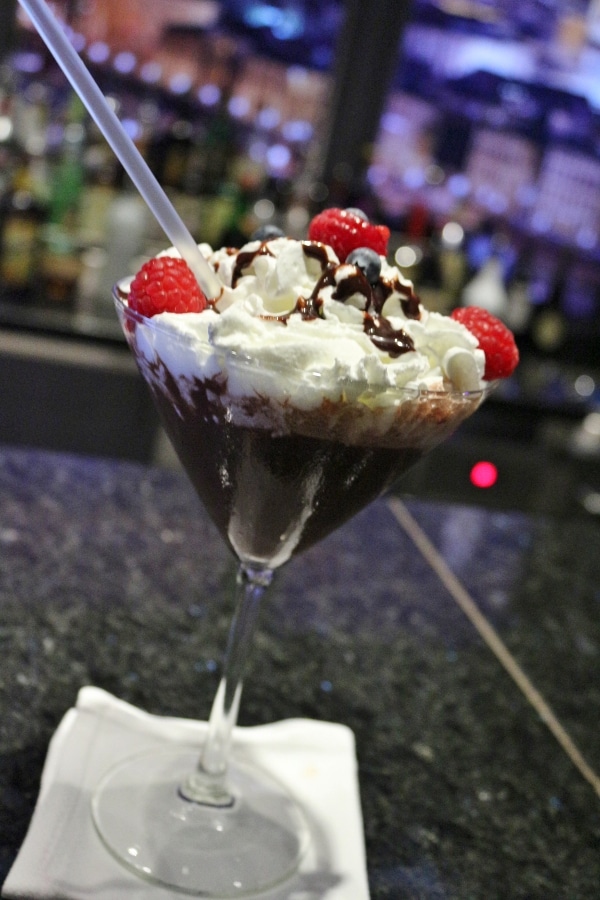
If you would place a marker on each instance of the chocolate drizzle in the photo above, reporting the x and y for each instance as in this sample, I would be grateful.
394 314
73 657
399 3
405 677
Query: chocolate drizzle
318 251
245 259
351 285
393 341
409 301
309 307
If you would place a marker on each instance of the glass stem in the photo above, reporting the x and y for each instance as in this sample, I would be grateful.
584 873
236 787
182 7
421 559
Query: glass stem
208 784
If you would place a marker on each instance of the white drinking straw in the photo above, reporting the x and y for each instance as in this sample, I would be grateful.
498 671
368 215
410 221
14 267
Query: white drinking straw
122 145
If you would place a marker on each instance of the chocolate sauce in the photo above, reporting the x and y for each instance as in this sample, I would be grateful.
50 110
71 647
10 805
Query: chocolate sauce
408 299
245 259
351 285
377 327
314 250
393 341
308 307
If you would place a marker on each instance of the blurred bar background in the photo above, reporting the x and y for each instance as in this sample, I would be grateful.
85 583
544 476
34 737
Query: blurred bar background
470 127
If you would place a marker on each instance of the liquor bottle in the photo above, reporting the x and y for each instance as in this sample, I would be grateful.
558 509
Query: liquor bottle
548 327
21 221
126 229
68 176
168 153
487 289
60 263
519 307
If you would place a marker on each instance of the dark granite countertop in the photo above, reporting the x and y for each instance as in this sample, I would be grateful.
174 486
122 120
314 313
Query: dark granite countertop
108 574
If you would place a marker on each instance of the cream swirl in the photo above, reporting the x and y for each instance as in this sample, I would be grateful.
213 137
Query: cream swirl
316 330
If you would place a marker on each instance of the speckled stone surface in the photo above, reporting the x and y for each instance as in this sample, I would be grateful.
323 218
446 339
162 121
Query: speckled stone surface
111 574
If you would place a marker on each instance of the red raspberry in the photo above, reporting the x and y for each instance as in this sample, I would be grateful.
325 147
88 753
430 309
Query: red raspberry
495 339
165 284
345 231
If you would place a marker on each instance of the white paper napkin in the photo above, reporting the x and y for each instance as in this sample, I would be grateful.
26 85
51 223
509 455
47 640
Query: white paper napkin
62 856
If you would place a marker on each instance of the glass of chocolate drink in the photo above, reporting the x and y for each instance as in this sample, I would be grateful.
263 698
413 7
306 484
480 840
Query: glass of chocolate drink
283 443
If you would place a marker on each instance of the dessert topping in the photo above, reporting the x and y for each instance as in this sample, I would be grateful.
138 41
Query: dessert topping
495 339
166 284
367 261
267 233
345 230
393 341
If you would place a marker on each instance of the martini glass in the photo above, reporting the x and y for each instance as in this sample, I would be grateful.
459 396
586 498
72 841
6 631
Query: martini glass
276 475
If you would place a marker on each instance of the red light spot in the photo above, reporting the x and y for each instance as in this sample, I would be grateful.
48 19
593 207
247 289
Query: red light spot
484 474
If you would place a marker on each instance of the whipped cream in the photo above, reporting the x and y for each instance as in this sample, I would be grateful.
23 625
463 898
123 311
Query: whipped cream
314 329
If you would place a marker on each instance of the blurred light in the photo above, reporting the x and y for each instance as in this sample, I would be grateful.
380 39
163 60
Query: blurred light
78 41
407 256
180 83
587 238
21 199
264 209
434 175
257 151
490 55
585 385
497 203
269 117
148 112
209 94
54 134
526 194
125 62
289 27
394 123
132 128
284 24
414 177
591 424
151 72
585 440
485 195
459 185
278 157
540 222
377 175
98 52
591 502
6 128
483 475
297 130
239 106
27 62
297 76
74 133
297 219
452 234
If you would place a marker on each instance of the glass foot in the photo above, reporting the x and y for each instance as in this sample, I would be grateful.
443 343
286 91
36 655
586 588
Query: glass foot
235 851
